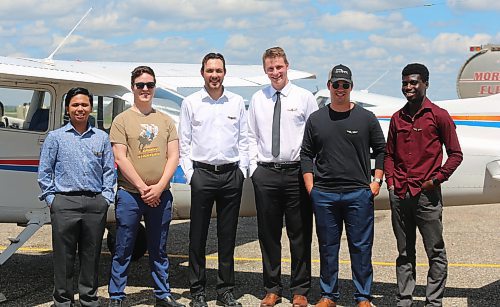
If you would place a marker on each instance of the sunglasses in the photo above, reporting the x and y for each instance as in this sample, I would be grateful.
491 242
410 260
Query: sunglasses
336 85
149 85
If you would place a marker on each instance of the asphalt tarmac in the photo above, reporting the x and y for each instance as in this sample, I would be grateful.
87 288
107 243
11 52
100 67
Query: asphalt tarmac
472 236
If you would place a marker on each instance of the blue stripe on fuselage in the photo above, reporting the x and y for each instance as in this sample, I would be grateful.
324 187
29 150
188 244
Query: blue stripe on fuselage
21 168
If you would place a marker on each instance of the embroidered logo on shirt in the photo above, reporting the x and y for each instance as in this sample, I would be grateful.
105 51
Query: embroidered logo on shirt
352 131
417 129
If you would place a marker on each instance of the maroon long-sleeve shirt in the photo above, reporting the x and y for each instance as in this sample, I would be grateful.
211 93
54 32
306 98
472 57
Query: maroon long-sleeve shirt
414 150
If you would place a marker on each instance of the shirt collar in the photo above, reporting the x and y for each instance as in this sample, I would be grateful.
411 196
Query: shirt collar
284 91
205 95
426 104
69 127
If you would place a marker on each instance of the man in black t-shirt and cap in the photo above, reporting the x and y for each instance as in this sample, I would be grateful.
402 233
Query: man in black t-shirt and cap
337 140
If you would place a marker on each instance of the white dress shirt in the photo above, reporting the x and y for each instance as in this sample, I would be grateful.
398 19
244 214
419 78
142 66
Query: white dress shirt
213 131
296 106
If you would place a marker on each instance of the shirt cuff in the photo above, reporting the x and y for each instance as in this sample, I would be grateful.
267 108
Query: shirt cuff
49 199
189 175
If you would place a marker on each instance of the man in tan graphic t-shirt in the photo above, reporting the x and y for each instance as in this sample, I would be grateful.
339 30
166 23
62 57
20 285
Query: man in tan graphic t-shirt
146 150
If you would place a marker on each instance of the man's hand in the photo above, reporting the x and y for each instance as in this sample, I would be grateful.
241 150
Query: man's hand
152 197
428 185
309 188
375 187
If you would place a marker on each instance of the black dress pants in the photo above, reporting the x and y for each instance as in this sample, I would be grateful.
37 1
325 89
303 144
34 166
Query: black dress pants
78 223
278 193
225 189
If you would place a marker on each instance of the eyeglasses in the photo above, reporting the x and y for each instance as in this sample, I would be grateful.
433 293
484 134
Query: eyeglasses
336 85
149 85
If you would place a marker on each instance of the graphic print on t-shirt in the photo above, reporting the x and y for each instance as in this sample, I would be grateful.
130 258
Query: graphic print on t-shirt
146 137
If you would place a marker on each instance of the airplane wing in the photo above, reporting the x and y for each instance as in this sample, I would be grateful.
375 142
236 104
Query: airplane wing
36 70
171 75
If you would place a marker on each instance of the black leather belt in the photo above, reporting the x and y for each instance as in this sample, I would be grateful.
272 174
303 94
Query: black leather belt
216 168
79 193
280 165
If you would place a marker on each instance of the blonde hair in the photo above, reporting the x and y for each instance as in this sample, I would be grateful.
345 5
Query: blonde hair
274 52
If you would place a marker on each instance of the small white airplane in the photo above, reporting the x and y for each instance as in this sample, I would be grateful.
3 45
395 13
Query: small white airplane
477 179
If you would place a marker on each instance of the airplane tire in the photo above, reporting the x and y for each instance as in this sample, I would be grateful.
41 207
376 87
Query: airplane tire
140 246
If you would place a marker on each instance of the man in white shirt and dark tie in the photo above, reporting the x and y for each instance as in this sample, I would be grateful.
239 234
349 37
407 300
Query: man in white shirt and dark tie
214 158
276 121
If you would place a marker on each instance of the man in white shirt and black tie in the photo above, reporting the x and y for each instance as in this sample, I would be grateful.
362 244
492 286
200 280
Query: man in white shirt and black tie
214 157
276 121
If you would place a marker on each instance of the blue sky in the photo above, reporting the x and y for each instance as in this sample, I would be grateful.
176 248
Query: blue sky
369 36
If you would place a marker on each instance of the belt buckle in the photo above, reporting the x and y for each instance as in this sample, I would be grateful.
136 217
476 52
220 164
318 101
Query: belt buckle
216 168
277 165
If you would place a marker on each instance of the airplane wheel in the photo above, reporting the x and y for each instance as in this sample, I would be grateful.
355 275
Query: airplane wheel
141 243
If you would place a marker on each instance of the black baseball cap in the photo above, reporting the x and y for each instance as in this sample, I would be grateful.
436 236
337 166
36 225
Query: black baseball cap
340 73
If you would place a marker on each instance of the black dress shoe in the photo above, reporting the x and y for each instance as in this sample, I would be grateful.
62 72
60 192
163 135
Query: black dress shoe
199 301
227 299
115 303
168 301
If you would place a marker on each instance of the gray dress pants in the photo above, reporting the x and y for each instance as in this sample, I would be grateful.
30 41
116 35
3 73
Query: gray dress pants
422 211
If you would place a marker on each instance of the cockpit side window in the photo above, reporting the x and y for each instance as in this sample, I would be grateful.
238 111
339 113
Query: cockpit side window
25 109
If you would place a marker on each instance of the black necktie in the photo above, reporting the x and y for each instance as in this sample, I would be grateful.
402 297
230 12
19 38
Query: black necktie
275 149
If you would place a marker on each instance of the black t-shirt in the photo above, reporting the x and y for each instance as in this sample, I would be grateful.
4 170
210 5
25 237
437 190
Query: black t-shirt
339 143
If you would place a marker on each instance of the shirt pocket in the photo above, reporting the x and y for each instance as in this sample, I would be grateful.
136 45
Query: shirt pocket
231 119
298 117
199 118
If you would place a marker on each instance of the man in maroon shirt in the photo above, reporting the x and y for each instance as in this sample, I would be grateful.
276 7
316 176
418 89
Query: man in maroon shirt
414 173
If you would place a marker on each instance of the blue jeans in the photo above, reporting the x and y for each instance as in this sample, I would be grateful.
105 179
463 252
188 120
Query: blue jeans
355 209
129 210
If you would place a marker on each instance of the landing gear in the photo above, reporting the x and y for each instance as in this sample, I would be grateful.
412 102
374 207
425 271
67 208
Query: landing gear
141 242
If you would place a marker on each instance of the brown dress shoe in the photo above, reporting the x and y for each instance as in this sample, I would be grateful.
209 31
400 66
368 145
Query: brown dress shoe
364 303
270 300
326 302
299 301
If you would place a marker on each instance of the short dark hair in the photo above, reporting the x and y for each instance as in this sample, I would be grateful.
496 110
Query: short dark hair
78 91
139 70
416 69
211 56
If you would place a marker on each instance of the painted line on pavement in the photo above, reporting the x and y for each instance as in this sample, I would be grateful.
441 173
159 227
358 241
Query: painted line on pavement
288 260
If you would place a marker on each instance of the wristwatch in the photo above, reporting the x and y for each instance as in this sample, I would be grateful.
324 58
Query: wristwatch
378 180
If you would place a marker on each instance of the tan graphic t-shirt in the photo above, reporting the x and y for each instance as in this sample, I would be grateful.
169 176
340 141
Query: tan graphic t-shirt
146 138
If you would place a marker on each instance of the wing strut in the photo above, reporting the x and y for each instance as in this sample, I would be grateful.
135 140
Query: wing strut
49 58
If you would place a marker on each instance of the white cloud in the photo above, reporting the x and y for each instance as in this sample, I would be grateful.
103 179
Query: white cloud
454 43
239 41
30 9
351 21
479 5
380 5
412 42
